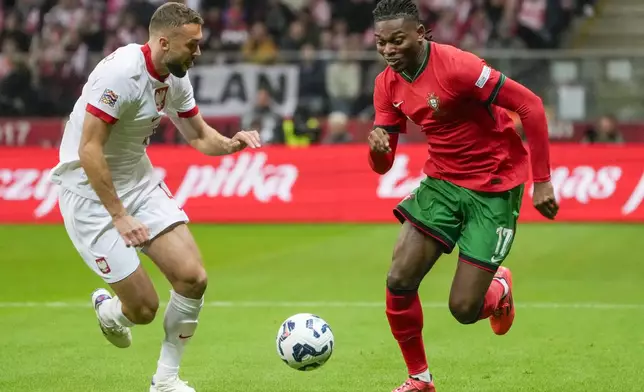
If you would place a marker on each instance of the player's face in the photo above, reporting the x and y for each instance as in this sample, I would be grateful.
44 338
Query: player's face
182 49
399 42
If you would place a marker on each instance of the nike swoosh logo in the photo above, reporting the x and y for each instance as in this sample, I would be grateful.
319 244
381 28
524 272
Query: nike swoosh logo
397 104
184 337
495 259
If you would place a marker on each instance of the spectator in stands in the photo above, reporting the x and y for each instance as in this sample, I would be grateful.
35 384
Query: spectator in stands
447 30
302 130
311 29
295 38
278 17
129 31
476 31
68 13
235 30
65 37
212 29
265 117
339 33
260 47
364 105
343 82
321 12
312 83
605 131
15 81
337 132
13 29
92 30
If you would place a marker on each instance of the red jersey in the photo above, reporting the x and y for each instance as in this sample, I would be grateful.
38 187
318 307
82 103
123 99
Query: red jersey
458 101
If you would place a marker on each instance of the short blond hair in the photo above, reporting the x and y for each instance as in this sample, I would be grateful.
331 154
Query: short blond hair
172 15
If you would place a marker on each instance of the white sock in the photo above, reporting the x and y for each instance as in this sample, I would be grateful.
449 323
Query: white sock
180 323
506 288
111 312
424 376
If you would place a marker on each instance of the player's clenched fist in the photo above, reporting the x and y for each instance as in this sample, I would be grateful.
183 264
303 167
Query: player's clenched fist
379 141
544 199
243 139
133 232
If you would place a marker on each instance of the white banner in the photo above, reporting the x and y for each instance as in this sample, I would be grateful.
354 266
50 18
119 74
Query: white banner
231 90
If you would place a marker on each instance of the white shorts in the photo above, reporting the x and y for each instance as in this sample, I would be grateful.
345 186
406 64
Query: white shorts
90 228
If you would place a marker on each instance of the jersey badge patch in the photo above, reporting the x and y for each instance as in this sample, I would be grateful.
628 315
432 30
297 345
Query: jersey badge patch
434 102
102 265
484 77
159 97
109 98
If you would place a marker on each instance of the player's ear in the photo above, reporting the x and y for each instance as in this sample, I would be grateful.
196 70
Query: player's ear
164 43
421 32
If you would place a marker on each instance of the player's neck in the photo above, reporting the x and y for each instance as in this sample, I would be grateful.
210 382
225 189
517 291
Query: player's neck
156 56
419 61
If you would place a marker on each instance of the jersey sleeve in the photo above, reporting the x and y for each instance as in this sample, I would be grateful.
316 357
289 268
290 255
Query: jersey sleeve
387 116
471 76
183 101
110 95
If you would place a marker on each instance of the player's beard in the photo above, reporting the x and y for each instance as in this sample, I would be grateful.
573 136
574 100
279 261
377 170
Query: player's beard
177 69
177 66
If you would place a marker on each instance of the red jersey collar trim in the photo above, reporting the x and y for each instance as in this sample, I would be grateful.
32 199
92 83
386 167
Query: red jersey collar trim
147 54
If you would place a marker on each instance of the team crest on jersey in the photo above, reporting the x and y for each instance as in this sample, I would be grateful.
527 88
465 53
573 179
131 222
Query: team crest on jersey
433 102
159 97
109 98
102 265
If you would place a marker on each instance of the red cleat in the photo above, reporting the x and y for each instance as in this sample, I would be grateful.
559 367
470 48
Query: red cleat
503 317
413 385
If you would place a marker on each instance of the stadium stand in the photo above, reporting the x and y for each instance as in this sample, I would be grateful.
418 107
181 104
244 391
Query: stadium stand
49 46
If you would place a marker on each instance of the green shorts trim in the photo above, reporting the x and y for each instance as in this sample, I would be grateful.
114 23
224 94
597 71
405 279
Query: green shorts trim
482 224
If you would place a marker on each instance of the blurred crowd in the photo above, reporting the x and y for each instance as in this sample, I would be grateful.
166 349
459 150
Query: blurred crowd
49 46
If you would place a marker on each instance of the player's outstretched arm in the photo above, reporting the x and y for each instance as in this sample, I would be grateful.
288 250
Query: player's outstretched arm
208 141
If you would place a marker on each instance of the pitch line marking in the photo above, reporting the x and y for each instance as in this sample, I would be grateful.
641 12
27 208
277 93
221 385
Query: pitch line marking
340 304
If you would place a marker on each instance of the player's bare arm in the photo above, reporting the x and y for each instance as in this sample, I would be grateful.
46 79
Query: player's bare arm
209 141
94 136
514 96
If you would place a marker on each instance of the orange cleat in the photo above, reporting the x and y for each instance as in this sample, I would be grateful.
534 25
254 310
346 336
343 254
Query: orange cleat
503 317
413 385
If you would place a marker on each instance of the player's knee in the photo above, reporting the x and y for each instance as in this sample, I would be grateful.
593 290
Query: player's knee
146 311
193 284
401 281
464 311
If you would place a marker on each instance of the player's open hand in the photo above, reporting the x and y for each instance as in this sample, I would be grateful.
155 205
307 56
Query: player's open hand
243 139
544 199
133 232
379 141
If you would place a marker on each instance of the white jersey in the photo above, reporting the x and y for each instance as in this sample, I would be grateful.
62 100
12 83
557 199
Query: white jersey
124 90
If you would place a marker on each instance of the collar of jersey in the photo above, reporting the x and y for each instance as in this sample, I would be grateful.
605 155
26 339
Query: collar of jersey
147 54
422 67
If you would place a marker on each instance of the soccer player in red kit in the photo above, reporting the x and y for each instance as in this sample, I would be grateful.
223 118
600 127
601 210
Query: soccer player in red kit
476 172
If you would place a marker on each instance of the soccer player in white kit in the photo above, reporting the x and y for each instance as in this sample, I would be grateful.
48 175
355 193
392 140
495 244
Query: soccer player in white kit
113 204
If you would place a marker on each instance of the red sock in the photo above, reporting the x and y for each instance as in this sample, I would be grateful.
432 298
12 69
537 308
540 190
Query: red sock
405 316
492 299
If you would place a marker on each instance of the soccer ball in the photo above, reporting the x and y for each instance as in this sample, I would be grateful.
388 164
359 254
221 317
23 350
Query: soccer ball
305 341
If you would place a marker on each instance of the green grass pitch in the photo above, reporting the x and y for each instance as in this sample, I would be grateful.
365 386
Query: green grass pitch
580 314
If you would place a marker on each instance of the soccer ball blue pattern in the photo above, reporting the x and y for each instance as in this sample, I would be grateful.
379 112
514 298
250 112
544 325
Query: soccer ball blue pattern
305 341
